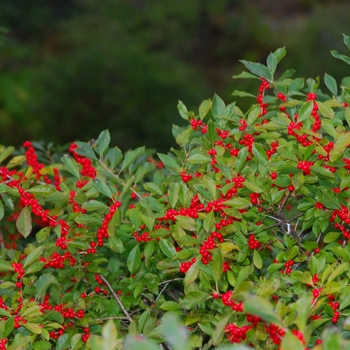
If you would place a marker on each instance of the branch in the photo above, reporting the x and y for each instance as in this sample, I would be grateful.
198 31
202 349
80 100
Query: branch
117 299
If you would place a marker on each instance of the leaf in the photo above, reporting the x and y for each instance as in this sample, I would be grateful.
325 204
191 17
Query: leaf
217 265
85 150
257 260
328 198
116 244
210 185
337 272
302 308
242 94
168 161
24 222
204 108
219 331
268 287
346 39
325 110
305 111
5 266
198 159
290 341
134 259
63 342
103 142
186 222
8 327
238 202
258 69
131 155
192 273
344 58
331 84
261 307
33 256
218 107
152 187
101 186
167 248
241 159
260 154
340 145
243 274
271 63
182 110
244 75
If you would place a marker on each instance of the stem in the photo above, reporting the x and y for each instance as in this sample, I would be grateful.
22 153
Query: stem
128 317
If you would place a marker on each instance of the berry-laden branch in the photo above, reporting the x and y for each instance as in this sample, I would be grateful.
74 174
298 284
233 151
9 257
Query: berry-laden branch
127 315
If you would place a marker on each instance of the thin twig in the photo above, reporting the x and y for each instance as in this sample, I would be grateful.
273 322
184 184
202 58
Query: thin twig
283 203
117 299
168 281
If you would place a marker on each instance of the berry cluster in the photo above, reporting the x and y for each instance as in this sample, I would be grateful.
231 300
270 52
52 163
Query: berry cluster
208 245
185 176
236 334
226 299
288 267
305 166
276 333
335 306
265 85
32 159
198 124
3 343
18 267
248 140
87 168
102 232
57 179
143 237
243 125
253 242
185 266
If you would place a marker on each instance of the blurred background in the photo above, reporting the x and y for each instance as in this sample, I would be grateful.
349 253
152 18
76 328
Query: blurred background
70 69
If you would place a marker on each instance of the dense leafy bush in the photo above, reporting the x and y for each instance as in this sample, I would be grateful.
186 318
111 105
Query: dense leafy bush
242 233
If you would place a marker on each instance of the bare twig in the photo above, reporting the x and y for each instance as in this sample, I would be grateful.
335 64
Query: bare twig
117 299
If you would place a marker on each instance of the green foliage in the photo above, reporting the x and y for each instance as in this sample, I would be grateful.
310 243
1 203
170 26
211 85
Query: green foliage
241 235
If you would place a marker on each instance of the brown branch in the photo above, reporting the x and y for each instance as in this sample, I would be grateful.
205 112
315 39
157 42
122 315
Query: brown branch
117 299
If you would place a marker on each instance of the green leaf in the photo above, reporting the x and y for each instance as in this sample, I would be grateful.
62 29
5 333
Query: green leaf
168 161
218 107
344 58
5 266
341 143
103 142
219 331
170 306
325 110
167 248
217 265
257 260
43 234
331 84
101 186
305 111
8 327
113 157
152 187
241 159
319 170
328 198
331 237
337 272
271 63
24 222
85 150
244 75
280 53
243 274
290 341
268 287
242 94
204 108
175 334
302 307
198 159
258 69
238 202
259 154
192 273
131 155
186 222
116 244
33 256
2 211
182 110
261 307
209 220
210 185
346 39
134 259
63 342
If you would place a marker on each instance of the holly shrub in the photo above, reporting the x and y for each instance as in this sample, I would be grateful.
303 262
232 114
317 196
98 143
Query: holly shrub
238 236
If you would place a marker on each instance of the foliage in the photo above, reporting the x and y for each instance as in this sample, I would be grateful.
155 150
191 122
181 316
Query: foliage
241 233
